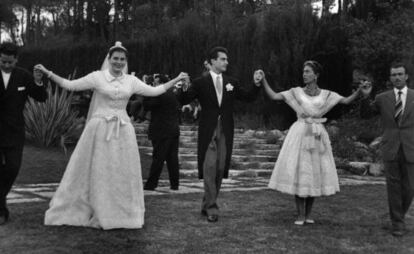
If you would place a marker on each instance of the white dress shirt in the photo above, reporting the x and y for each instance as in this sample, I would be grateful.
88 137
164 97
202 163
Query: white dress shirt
403 96
6 78
214 76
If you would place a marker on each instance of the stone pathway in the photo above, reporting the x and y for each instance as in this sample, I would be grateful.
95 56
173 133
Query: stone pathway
25 193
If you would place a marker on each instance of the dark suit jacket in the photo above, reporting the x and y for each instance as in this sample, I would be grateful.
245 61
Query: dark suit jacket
394 136
203 89
164 115
12 101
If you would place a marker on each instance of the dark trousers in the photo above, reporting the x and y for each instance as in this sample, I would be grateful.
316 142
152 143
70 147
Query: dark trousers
213 170
165 149
400 188
10 161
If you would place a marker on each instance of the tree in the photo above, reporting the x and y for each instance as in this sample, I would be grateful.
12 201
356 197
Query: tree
7 17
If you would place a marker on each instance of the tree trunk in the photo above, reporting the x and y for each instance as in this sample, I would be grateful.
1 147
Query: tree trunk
29 32
214 16
115 21
89 27
22 18
345 4
339 8
38 31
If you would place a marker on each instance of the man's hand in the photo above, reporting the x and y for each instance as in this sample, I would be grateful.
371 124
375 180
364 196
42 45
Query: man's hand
258 77
365 88
40 67
38 75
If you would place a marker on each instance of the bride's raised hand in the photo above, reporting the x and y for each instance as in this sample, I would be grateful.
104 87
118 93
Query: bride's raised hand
258 77
182 76
40 67
365 87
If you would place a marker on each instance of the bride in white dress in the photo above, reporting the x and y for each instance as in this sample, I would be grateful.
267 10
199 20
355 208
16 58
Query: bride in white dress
305 166
102 184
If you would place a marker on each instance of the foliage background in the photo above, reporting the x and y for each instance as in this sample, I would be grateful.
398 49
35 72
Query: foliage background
172 36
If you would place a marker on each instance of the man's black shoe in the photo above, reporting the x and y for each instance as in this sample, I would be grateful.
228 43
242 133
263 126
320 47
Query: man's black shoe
398 232
4 218
212 218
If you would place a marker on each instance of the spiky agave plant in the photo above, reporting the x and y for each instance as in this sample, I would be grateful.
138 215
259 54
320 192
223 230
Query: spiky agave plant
53 122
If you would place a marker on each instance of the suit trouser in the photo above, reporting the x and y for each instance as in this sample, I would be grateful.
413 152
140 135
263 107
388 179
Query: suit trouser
10 161
165 149
213 170
400 188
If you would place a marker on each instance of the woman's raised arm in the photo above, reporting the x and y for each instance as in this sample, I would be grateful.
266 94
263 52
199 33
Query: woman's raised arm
84 83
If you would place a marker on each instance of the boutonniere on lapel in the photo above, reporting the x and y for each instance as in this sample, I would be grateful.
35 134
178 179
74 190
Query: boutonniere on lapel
229 87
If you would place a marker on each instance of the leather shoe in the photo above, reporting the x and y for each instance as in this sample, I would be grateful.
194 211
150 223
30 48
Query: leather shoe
398 232
203 212
174 187
148 188
212 218
3 219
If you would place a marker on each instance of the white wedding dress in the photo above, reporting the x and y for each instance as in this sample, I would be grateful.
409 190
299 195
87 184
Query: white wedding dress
102 184
305 165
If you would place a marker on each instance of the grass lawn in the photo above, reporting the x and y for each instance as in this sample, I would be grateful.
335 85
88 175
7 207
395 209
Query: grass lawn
46 165
250 222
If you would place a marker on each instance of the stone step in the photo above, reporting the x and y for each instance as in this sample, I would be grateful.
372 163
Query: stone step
246 152
193 173
192 158
247 141
235 158
193 145
236 145
234 165
191 134
142 128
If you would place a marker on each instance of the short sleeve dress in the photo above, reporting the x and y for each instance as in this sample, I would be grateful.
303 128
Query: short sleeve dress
305 165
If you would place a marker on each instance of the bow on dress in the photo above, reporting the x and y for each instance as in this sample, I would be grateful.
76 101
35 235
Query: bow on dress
313 133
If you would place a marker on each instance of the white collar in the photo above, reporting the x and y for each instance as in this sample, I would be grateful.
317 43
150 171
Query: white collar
215 75
5 73
403 90
109 77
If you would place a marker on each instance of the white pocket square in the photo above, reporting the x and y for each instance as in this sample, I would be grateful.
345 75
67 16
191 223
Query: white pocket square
21 88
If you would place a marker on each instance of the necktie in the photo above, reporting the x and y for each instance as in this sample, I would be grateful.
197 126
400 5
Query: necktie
398 109
219 88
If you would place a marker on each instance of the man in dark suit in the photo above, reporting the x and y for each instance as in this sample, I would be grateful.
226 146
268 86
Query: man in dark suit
164 133
216 93
16 84
396 108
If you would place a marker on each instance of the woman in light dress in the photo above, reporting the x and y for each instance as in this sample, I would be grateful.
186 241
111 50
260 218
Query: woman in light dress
305 166
102 184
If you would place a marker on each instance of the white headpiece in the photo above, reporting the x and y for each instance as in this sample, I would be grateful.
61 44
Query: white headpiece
117 45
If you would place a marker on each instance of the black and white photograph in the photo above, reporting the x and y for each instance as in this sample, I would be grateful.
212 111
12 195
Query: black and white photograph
206 126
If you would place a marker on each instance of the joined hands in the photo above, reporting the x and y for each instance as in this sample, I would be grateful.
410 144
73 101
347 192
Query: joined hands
258 77
365 88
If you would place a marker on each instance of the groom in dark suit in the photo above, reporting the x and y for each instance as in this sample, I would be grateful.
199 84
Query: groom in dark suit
216 93
396 108
15 85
